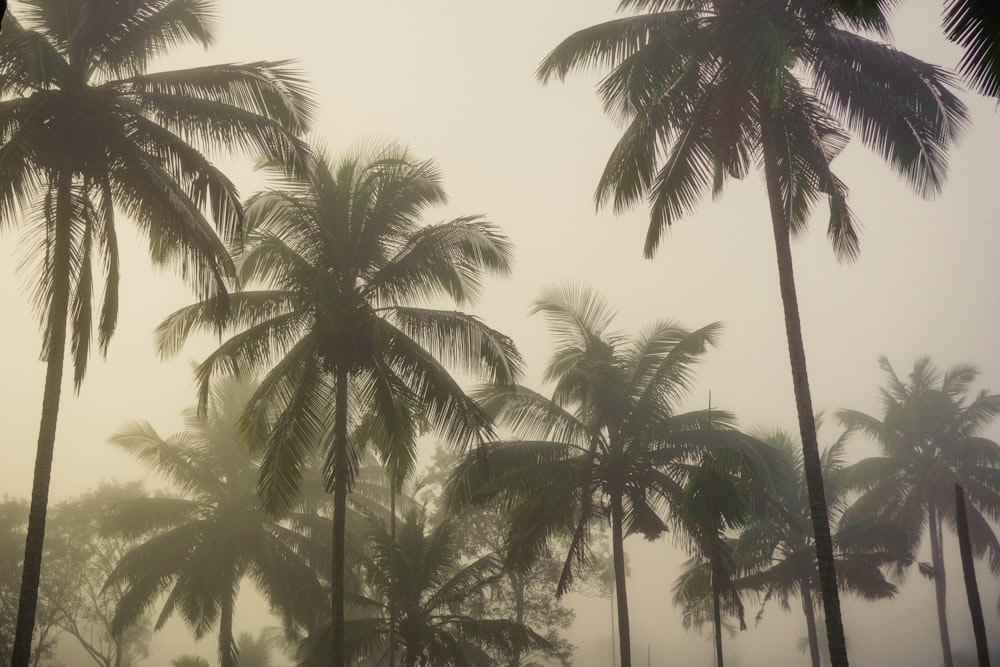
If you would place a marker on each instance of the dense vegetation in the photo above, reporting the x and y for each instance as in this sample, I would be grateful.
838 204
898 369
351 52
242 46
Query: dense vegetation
341 353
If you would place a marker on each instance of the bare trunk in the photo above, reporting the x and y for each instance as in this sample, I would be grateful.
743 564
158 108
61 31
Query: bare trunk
940 585
618 549
807 609
803 400
969 571
227 646
392 576
517 585
717 614
340 471
55 353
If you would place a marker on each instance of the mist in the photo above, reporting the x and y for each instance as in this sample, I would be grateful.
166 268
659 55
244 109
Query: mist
456 82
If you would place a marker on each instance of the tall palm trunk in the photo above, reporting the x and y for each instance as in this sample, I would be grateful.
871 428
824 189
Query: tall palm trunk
803 401
717 612
618 551
940 585
807 609
55 353
969 570
227 646
340 471
392 575
517 585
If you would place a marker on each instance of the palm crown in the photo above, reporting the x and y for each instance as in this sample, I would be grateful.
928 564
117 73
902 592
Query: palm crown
341 321
609 444
776 548
199 547
703 85
709 89
931 439
86 130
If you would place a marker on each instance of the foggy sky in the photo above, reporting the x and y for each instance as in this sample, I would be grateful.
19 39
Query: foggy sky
455 81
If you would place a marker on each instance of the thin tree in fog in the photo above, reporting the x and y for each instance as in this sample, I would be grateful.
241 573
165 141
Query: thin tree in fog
930 434
85 129
198 548
723 488
709 89
339 327
776 548
608 446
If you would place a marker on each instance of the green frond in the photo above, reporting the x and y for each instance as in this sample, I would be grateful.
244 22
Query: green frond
447 259
142 516
531 415
120 39
902 108
292 406
463 342
173 458
971 25
607 44
577 315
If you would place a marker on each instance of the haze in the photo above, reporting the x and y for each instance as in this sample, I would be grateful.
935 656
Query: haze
455 81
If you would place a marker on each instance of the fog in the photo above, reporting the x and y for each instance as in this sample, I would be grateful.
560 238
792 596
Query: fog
455 81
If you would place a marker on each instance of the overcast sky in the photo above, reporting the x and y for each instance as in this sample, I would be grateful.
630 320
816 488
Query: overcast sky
455 80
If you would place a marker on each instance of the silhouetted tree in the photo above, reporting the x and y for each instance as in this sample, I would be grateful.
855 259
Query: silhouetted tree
776 547
339 330
85 131
608 446
199 547
931 439
710 89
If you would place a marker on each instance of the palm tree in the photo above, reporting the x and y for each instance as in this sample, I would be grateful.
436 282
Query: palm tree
930 437
721 492
422 568
972 24
711 88
86 132
776 547
339 323
199 547
608 445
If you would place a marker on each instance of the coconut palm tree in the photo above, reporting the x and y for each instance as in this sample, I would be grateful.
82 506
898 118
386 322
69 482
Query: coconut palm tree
200 546
721 492
608 445
930 437
708 89
87 132
776 547
422 568
341 327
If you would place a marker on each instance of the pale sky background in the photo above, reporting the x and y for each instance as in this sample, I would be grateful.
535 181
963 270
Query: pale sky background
455 81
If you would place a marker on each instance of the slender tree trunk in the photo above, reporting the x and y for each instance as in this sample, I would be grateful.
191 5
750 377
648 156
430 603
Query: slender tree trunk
717 613
969 570
517 585
55 354
807 609
392 575
940 585
803 400
340 471
227 646
618 549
